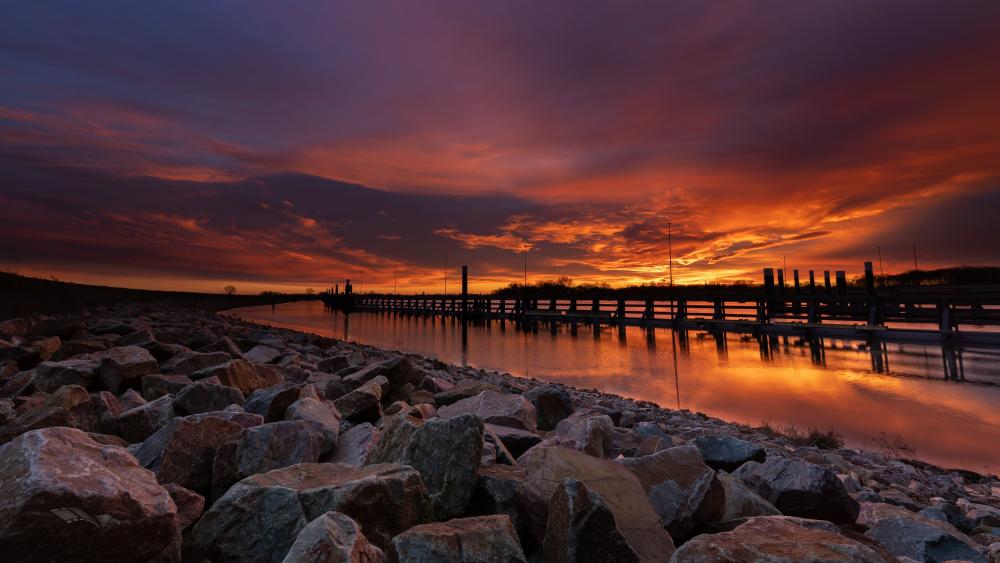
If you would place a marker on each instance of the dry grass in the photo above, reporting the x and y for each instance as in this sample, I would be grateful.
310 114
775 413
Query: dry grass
828 440
894 447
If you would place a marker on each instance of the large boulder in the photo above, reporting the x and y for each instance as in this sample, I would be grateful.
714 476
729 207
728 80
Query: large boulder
98 414
263 448
258 519
321 415
446 452
243 375
496 492
502 409
205 396
741 502
682 489
182 452
513 440
190 504
272 402
477 539
13 327
727 452
907 534
141 422
124 365
68 498
363 404
587 431
50 376
548 466
552 405
333 538
582 529
777 539
398 371
800 488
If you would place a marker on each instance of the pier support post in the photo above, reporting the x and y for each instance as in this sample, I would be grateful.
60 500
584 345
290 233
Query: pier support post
620 309
795 277
781 282
869 279
944 316
769 281
826 282
812 282
841 282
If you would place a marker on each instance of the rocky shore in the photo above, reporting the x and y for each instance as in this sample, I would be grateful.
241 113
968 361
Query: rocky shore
146 433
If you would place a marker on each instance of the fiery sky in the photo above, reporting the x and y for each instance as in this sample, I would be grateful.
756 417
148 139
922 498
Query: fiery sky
191 144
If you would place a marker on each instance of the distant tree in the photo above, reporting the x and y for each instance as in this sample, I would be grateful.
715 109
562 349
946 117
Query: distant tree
230 290
310 291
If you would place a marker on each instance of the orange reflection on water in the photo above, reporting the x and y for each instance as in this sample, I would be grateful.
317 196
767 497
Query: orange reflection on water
781 381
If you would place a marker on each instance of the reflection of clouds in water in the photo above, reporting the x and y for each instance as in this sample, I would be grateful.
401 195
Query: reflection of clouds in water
787 388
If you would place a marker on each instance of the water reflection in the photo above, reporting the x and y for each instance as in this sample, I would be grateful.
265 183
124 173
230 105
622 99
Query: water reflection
943 400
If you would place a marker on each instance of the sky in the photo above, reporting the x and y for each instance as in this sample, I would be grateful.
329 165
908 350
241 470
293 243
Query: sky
285 145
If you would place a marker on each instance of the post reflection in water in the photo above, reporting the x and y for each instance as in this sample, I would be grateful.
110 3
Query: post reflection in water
942 400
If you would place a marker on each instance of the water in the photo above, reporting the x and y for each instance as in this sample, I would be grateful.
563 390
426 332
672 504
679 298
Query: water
895 390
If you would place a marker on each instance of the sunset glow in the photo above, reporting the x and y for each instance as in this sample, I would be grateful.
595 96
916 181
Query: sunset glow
191 145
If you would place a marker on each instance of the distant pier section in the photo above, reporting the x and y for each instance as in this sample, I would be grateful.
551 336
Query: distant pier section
828 308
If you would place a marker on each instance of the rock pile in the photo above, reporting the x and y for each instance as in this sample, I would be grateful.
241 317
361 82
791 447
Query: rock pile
151 434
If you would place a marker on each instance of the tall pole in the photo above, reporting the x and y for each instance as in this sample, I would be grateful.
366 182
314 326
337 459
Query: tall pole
670 250
395 280
446 275
881 270
525 264
915 268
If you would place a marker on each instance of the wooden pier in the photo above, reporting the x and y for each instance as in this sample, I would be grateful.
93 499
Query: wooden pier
936 314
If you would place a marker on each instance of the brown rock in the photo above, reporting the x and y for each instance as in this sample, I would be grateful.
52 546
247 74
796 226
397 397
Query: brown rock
243 375
141 422
331 538
156 386
182 451
682 489
588 431
478 539
777 539
547 467
190 504
187 363
204 396
72 499
263 448
463 390
502 409
364 403
124 365
354 445
259 517
272 402
581 528
50 376
322 415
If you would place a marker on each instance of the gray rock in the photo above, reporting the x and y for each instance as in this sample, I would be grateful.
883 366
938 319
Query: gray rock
727 452
262 354
478 539
588 431
130 399
582 529
141 422
354 445
464 390
446 452
799 488
258 519
263 448
907 534
122 365
502 409
364 403
741 502
50 376
322 415
547 467
204 396
182 452
189 362
552 405
681 488
272 402
156 386
331 538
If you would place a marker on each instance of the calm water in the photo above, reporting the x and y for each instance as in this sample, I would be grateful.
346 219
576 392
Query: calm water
950 416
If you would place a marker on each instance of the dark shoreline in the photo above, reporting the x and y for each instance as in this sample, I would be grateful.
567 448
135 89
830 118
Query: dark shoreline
479 457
